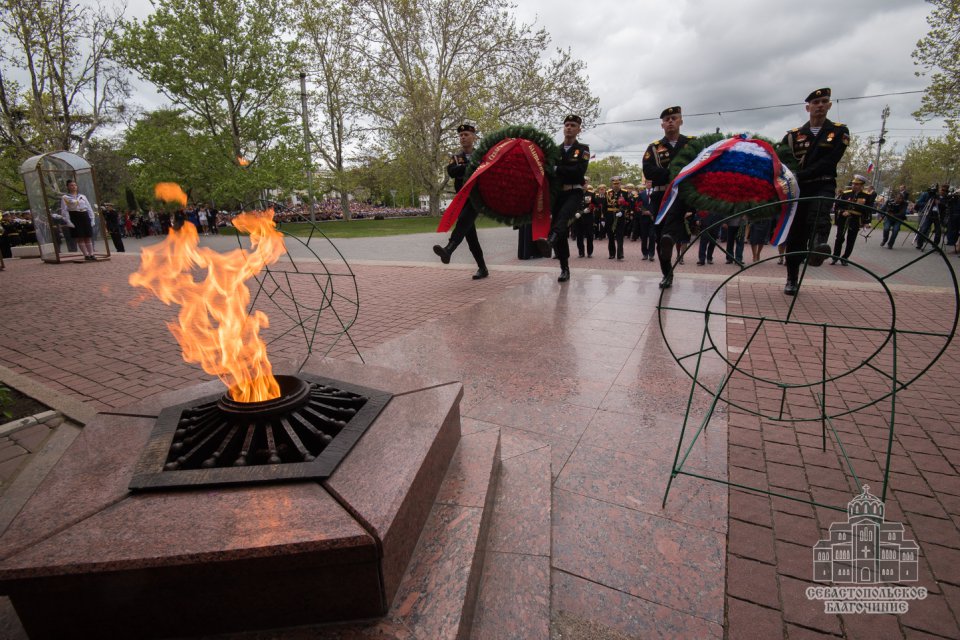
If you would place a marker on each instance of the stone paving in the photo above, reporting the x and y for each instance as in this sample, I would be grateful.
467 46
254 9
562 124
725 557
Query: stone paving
583 369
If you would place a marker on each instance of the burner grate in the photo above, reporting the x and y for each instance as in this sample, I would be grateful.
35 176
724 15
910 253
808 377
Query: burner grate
301 435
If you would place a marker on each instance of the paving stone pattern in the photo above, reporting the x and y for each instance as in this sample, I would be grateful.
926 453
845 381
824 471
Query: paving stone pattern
582 371
769 554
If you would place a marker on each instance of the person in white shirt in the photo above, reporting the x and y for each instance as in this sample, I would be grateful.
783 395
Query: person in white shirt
76 209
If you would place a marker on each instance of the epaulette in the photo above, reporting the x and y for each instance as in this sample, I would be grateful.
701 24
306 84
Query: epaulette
797 130
839 124
848 190
691 137
654 143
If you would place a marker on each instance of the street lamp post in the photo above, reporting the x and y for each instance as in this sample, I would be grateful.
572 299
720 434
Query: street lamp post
883 131
306 144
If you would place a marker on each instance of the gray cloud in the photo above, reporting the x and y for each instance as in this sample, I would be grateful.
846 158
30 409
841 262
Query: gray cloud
712 56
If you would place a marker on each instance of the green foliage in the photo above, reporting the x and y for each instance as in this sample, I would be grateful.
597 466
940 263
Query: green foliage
368 227
112 170
931 161
71 87
433 63
6 400
601 171
227 66
939 53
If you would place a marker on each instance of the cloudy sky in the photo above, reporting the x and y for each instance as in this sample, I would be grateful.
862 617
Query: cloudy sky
715 57
711 57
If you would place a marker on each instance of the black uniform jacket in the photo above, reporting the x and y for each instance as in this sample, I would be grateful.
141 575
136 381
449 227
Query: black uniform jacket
656 160
856 204
457 169
572 167
818 155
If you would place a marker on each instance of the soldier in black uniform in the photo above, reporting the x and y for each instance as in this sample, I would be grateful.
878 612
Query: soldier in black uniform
112 220
583 225
617 204
599 210
818 146
466 223
571 172
656 168
851 217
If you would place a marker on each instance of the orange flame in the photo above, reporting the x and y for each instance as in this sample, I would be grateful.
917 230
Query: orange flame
170 192
242 161
213 326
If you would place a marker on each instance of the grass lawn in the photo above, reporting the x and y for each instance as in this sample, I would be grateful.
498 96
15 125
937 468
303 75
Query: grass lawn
369 228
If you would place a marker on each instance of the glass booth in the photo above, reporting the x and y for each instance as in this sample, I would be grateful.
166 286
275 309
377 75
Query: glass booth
45 177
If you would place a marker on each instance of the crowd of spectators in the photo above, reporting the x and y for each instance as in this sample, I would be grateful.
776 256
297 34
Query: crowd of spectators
17 226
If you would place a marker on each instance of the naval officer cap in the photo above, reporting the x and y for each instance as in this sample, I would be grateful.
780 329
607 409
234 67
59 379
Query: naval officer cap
466 126
859 178
818 93
573 118
670 111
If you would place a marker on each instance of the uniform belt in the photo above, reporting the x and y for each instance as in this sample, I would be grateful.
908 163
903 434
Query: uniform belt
571 187
659 189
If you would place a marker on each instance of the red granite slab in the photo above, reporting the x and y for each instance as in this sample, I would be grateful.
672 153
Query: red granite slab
627 614
92 474
391 477
514 598
676 565
437 596
638 482
186 528
521 523
85 554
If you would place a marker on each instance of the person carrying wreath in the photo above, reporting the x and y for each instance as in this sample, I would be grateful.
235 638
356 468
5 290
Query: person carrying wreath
571 172
466 227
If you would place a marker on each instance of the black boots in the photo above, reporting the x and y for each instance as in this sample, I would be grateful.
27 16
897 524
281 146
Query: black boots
564 275
444 252
820 253
667 281
481 273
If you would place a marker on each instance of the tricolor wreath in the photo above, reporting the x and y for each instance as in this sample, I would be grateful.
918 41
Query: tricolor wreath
731 175
510 179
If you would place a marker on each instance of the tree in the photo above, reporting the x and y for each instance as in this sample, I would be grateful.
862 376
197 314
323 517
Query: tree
433 63
227 66
74 88
939 52
931 161
165 146
112 169
601 171
860 153
330 28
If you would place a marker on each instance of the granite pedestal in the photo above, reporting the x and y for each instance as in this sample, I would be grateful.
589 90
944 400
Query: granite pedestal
87 558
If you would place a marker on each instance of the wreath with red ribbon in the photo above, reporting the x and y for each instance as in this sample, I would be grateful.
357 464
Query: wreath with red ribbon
510 178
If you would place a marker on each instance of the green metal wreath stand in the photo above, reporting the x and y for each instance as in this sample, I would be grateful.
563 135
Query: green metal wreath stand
278 286
890 336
